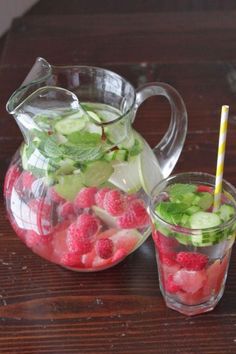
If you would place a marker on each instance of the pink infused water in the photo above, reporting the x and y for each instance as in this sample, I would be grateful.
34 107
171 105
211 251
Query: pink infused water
193 246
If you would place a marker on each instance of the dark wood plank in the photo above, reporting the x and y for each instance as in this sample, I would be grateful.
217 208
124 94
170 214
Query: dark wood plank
2 43
62 7
96 39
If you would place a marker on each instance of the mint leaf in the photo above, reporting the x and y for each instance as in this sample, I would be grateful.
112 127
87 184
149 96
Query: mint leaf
81 153
171 212
179 189
51 148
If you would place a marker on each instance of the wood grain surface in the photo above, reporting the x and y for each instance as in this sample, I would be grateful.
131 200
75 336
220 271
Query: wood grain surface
45 309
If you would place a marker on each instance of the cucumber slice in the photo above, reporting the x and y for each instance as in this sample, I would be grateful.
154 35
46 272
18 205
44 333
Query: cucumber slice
192 210
110 156
202 240
93 128
206 200
204 220
185 220
66 167
109 220
226 212
68 186
183 239
97 173
70 125
116 132
118 155
148 169
126 176
94 116
128 142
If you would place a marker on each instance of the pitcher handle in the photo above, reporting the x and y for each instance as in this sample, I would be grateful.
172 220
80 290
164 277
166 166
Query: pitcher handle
169 148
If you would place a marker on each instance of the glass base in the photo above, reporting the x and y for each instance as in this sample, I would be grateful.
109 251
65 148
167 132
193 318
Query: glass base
192 310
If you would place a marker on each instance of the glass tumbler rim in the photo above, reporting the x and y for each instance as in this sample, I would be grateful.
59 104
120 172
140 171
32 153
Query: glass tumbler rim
201 175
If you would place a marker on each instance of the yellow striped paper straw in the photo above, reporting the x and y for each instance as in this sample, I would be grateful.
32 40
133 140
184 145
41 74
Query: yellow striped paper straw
221 156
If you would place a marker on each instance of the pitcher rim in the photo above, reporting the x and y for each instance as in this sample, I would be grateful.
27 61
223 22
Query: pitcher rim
12 110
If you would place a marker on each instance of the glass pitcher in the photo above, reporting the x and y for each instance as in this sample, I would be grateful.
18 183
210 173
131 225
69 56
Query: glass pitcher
76 190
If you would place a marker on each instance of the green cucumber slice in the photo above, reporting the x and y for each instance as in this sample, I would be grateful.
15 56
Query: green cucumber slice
110 156
70 125
192 210
206 200
202 239
226 212
204 220
68 186
66 167
97 173
128 142
93 128
148 169
94 116
126 176
118 155
116 132
109 220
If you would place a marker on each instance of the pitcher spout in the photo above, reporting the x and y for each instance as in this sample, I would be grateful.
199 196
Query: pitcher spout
37 77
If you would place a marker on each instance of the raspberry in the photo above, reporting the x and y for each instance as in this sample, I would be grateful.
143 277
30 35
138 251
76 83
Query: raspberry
77 243
192 260
114 202
12 175
66 210
80 233
170 285
88 225
27 180
202 188
100 195
86 197
104 248
168 258
136 216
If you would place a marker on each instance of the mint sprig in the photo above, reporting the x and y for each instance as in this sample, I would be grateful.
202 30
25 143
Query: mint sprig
179 189
171 212
84 139
52 148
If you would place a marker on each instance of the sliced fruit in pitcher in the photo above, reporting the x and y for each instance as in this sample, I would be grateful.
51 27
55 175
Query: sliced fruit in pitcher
103 215
96 173
126 175
70 125
148 169
127 240
68 186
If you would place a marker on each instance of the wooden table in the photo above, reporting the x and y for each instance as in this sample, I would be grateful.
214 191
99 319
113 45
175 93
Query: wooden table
46 309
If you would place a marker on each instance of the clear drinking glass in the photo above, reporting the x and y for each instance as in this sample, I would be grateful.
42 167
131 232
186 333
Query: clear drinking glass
192 291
